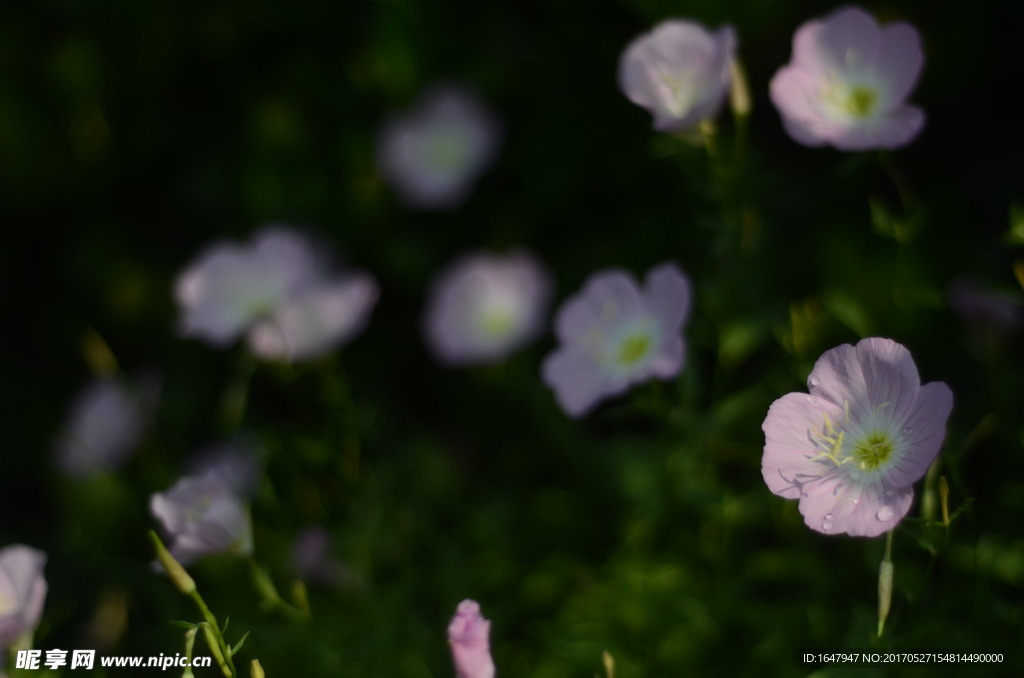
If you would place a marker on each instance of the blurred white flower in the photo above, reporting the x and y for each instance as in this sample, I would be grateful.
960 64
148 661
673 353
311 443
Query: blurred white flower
203 516
236 463
679 71
22 592
485 306
433 154
276 291
105 425
614 334
847 83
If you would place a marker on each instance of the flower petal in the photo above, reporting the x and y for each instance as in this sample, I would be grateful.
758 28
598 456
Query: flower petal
835 505
789 461
923 432
668 295
607 299
578 380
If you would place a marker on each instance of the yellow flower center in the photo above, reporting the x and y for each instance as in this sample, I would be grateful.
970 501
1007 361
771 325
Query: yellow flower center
860 102
634 349
873 450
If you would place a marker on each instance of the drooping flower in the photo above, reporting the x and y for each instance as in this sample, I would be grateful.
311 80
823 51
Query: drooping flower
433 154
278 292
679 71
203 516
613 335
852 449
847 83
469 639
22 592
107 420
485 306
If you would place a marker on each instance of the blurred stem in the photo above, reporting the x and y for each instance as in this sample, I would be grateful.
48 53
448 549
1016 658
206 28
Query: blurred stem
338 397
885 576
236 393
896 176
272 600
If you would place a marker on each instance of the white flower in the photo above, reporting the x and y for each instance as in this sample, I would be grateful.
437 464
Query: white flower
485 306
105 425
22 592
275 291
613 334
848 81
679 71
433 155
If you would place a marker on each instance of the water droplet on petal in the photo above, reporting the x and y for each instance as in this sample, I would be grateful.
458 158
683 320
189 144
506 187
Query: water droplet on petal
808 398
907 429
826 525
828 516
854 500
814 381
884 513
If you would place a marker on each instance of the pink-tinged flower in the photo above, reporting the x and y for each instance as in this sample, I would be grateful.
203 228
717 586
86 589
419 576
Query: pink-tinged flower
484 307
847 83
107 420
276 290
203 516
311 560
468 636
987 309
852 449
614 335
22 592
433 155
680 72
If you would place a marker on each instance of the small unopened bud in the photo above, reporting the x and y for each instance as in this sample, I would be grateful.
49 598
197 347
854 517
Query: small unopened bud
739 91
609 664
257 670
179 577
884 593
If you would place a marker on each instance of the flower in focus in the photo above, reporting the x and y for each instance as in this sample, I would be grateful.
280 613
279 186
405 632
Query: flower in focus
468 636
679 71
851 450
105 425
484 307
433 154
847 82
277 292
614 335
22 592
203 516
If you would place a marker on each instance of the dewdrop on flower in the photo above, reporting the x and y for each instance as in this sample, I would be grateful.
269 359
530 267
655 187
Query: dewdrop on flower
22 592
847 83
679 71
203 516
852 449
486 306
613 334
276 291
433 154
468 637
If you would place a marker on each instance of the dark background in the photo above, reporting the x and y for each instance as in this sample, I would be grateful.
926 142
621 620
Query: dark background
132 135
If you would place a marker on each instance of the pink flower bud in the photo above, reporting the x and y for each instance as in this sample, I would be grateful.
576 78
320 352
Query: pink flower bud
468 635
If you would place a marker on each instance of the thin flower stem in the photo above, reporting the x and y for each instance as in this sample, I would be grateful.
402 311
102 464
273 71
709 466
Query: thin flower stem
236 394
271 598
218 635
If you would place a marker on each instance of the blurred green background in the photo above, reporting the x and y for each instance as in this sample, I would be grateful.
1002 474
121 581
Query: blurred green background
132 135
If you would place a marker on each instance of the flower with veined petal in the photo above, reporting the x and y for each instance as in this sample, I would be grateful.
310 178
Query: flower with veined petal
852 448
